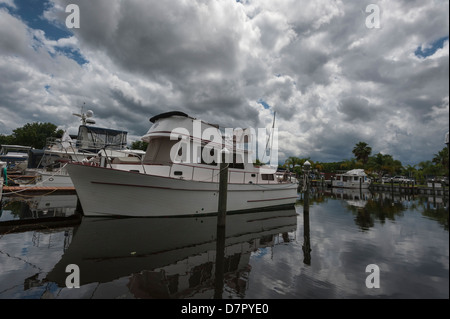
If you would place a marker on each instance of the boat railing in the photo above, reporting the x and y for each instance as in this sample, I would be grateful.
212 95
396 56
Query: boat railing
56 144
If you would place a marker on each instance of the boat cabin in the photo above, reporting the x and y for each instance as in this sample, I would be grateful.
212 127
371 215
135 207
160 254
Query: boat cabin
180 146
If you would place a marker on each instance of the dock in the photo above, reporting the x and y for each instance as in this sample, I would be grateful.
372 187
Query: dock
438 189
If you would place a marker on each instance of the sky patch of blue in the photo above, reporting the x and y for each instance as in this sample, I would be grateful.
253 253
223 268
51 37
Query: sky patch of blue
264 104
31 12
426 52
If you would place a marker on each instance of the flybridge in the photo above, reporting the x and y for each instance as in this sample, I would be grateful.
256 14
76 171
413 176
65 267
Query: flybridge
93 139
201 142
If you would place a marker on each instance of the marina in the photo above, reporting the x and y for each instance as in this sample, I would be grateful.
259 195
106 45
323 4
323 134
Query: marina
248 151
292 253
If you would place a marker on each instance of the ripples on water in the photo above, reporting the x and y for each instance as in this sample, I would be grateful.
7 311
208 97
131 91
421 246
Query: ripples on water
284 254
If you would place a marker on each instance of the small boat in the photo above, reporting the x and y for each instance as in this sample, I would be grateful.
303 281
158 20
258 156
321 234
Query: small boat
179 175
355 178
15 156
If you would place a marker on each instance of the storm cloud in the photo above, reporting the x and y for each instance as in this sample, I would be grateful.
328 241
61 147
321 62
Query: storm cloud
332 80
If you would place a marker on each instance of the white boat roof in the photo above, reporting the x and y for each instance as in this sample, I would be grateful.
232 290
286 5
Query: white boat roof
16 147
357 171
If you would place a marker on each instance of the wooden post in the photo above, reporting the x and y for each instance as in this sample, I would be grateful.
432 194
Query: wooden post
306 196
223 190
306 247
221 221
220 261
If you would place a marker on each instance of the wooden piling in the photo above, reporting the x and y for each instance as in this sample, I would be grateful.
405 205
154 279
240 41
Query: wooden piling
223 190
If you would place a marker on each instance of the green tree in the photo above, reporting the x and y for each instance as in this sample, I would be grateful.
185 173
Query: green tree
139 145
291 162
6 140
441 161
35 134
428 169
362 152
383 164
410 170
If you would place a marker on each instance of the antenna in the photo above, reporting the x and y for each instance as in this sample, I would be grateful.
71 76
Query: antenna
85 117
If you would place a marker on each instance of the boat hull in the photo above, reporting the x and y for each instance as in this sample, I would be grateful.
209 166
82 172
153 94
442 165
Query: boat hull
106 191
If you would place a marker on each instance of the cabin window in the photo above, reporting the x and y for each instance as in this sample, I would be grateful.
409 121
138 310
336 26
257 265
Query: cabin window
159 151
338 178
355 178
267 177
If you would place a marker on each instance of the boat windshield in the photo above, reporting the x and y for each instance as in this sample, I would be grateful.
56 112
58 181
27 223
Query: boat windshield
94 139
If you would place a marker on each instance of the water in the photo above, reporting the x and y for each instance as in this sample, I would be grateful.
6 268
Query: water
285 254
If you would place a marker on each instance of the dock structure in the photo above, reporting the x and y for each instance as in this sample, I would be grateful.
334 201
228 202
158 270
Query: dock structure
430 188
411 188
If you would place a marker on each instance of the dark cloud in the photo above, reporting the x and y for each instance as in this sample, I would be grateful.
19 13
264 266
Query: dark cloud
357 109
331 80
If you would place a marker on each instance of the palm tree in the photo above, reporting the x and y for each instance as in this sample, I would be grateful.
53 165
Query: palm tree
362 152
410 170
291 162
441 160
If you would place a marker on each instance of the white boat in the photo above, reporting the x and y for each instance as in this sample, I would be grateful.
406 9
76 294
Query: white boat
355 178
48 165
15 156
171 180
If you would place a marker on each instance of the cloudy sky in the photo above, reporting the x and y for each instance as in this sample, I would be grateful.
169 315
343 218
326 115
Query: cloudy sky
335 72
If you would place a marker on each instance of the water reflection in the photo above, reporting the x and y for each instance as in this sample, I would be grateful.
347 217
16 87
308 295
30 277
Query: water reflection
167 257
324 257
370 207
32 207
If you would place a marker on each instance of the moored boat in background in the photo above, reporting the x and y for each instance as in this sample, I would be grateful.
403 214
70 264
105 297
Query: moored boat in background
48 165
355 178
